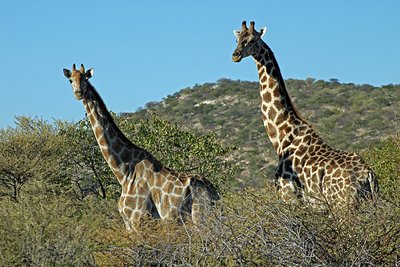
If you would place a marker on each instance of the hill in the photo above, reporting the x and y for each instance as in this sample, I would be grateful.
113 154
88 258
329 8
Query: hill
347 116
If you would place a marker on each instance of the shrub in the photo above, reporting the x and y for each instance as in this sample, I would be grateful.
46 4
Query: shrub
256 228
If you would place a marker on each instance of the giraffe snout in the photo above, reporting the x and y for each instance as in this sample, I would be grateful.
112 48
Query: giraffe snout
78 94
236 56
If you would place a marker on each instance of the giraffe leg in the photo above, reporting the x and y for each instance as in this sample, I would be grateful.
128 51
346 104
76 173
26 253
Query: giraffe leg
204 195
131 210
123 214
198 210
126 221
288 190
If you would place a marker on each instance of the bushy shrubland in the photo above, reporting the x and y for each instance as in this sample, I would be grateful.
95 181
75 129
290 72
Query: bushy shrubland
62 221
249 228
254 228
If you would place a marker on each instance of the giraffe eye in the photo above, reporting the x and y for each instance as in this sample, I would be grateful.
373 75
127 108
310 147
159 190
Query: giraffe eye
70 81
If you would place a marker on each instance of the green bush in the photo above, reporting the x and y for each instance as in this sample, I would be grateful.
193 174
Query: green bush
384 158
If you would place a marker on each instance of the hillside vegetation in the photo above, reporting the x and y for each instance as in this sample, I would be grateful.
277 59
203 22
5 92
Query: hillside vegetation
347 116
59 198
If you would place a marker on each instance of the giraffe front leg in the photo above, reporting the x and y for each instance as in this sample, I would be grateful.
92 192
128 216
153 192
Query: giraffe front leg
121 204
126 221
131 210
288 190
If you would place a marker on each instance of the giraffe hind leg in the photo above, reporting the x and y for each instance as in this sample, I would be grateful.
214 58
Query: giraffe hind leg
204 196
186 206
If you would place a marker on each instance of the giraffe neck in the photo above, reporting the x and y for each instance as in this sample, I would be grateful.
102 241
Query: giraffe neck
120 154
279 115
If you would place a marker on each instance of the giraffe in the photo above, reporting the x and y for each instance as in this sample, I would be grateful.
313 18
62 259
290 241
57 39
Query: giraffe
308 168
147 186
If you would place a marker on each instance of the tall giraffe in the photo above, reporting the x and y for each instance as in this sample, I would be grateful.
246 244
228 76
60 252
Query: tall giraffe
147 186
308 167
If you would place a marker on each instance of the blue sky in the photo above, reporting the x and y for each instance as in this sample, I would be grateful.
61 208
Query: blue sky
145 50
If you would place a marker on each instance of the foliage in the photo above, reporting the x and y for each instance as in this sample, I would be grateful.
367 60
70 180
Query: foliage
384 158
30 150
84 164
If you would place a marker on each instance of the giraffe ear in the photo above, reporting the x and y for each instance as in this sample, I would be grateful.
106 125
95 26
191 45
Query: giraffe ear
67 73
89 73
236 33
263 31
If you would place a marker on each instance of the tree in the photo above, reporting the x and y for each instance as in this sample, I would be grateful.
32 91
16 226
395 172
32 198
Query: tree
177 149
309 81
27 151
84 163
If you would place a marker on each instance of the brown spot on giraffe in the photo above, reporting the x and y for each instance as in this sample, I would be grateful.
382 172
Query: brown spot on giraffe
101 139
156 195
271 113
277 91
264 107
130 201
267 98
264 78
178 190
105 151
119 176
264 118
278 105
271 83
168 187
271 130
98 132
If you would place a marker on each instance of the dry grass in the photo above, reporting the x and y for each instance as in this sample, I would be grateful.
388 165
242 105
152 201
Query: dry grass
253 228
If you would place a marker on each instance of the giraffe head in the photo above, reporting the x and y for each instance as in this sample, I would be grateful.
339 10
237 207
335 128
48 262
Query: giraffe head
78 80
247 41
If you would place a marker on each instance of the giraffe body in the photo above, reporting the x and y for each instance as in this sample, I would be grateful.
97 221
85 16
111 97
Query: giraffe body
308 167
147 186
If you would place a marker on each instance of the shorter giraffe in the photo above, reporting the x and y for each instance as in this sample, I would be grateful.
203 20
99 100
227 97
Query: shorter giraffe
147 186
308 167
